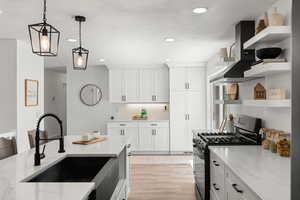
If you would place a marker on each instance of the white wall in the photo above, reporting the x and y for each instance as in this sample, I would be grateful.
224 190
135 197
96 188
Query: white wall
8 85
29 66
278 118
82 118
55 100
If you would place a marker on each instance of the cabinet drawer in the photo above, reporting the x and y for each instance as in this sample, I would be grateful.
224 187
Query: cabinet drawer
217 184
122 124
235 187
216 165
213 195
154 124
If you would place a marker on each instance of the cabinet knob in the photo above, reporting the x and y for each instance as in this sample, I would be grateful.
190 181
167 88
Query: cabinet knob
215 187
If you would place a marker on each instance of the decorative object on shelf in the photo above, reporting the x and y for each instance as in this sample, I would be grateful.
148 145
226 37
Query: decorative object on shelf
232 91
276 93
144 114
283 147
90 95
276 19
266 19
261 26
31 92
224 57
259 92
80 55
268 53
44 38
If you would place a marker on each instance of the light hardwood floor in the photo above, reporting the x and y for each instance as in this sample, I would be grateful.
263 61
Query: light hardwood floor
161 178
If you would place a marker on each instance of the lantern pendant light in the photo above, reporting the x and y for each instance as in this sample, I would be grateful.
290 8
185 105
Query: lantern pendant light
44 37
80 54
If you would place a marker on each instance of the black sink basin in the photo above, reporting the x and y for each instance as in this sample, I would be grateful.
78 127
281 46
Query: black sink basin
73 169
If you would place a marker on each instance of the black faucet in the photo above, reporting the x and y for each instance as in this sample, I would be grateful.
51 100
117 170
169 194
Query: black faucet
37 155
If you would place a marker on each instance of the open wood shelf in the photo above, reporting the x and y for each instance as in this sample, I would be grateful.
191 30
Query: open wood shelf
262 70
271 34
286 103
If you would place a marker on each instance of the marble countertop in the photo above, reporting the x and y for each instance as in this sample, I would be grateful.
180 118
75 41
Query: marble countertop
15 169
265 173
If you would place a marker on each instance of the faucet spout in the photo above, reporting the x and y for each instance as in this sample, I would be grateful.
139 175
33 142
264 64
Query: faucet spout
37 155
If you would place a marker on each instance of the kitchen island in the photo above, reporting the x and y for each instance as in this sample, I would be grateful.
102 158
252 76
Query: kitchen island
265 174
16 170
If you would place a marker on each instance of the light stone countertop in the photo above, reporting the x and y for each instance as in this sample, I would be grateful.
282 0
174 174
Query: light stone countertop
265 173
15 169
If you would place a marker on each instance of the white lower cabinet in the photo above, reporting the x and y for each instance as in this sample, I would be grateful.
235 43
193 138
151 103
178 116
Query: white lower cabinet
143 136
225 185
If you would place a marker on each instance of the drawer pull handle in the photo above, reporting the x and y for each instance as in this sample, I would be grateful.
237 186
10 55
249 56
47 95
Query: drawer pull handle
153 124
122 124
236 189
216 164
215 187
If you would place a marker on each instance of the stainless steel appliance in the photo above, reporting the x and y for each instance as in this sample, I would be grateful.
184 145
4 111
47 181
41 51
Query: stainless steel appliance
246 133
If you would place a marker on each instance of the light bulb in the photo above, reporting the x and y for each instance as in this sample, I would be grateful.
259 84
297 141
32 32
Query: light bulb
79 60
45 43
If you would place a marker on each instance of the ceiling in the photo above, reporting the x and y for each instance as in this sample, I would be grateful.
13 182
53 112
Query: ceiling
133 31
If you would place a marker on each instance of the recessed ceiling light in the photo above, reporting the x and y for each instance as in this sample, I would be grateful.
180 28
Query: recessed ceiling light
102 60
72 40
200 10
1 12
169 40
168 60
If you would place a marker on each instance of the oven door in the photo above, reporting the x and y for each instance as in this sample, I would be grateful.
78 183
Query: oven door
199 171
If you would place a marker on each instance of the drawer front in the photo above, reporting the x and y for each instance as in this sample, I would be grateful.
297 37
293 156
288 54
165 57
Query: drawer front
154 124
235 187
122 124
216 165
217 176
213 195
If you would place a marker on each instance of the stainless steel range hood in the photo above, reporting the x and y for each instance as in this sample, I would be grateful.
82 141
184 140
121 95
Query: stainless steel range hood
234 73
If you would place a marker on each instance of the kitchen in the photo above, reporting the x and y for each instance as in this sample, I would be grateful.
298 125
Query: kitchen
161 100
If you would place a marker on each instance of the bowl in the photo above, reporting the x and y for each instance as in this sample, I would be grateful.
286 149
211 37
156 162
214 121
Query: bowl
268 53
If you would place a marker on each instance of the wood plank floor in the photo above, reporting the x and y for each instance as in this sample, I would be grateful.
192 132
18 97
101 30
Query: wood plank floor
168 179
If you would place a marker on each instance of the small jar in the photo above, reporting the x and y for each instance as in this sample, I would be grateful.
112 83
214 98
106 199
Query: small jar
273 146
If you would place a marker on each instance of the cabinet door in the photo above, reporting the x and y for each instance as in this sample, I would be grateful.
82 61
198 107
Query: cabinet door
178 79
162 85
147 85
146 139
195 102
133 135
178 124
196 79
116 85
231 193
116 131
131 83
161 139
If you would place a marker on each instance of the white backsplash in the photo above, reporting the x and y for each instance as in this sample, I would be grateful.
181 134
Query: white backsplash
154 111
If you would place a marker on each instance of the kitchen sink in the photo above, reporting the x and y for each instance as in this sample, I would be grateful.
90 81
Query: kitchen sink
73 169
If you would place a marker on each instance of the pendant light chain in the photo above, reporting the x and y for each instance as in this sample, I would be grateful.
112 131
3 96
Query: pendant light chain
45 10
80 43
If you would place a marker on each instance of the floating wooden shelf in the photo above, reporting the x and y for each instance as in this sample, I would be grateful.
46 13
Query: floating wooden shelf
271 34
262 70
268 103
227 102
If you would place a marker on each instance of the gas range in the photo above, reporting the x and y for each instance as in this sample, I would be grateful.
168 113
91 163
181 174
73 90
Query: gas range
246 133
216 138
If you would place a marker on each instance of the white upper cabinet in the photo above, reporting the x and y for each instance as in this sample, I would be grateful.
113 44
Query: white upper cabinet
187 79
131 83
139 85
123 85
161 81
147 89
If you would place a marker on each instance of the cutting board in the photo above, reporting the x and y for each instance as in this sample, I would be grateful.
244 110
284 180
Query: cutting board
92 141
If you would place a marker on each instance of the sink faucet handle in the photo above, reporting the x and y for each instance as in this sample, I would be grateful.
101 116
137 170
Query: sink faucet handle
43 153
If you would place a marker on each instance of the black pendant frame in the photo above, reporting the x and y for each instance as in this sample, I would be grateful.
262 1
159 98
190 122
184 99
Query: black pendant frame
80 51
36 31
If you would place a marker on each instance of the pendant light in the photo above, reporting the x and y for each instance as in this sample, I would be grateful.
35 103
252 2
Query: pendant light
44 37
80 54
